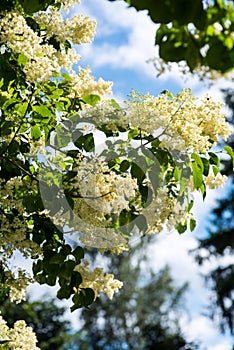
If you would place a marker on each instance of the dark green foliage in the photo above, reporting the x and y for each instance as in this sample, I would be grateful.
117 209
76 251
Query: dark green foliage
44 316
178 42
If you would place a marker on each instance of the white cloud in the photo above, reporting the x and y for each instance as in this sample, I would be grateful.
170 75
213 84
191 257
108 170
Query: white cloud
226 345
202 329
137 30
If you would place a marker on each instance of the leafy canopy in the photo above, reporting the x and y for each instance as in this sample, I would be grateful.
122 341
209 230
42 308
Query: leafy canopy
195 31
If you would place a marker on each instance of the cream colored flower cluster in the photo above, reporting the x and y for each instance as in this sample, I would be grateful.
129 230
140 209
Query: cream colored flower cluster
42 59
84 84
215 181
18 285
185 123
78 29
166 212
20 336
68 3
98 280
105 113
22 39
13 232
104 190
158 212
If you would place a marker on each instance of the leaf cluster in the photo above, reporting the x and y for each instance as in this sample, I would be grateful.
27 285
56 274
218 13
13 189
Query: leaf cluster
188 31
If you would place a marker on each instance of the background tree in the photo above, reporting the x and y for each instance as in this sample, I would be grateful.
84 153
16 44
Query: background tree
44 316
195 31
144 315
220 243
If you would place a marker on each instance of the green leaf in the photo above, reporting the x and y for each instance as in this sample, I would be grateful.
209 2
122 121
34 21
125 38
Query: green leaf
66 250
91 99
198 161
214 159
31 7
76 279
192 224
21 108
22 59
4 341
35 132
78 253
197 176
84 297
137 172
64 292
62 137
218 49
177 173
206 165
114 104
133 134
181 228
230 151
190 206
215 170
37 267
146 195
66 269
124 217
159 11
164 157
198 169
89 142
43 111
114 161
51 280
169 52
124 165
57 259
13 148
203 190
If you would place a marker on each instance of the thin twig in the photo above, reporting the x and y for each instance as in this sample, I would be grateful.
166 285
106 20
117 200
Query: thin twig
20 167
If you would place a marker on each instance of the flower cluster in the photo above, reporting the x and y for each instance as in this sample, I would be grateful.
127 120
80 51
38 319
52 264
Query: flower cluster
14 230
98 280
18 285
184 122
78 29
68 3
108 191
215 181
101 193
20 336
159 212
83 84
41 58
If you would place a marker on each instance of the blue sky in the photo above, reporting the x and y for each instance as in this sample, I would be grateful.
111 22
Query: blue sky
124 42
